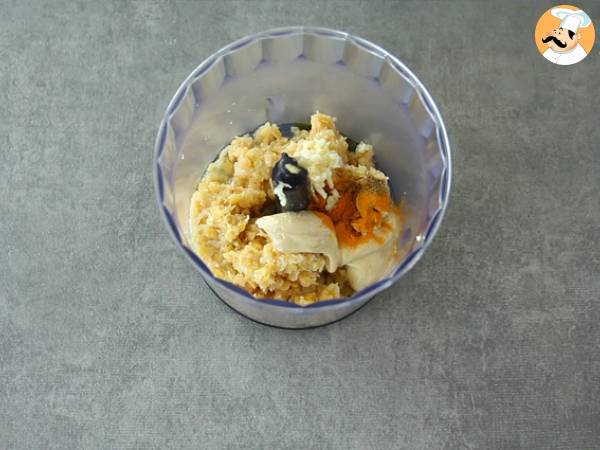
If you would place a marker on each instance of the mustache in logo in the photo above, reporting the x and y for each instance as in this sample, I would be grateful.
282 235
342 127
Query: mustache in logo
555 40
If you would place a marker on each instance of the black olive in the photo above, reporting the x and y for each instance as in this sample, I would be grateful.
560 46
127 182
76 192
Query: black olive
269 207
296 183
351 144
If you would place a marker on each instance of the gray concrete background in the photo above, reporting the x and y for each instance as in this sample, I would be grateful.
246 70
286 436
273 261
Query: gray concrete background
110 339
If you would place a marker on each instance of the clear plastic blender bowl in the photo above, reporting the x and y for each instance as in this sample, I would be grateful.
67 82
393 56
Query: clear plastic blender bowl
284 76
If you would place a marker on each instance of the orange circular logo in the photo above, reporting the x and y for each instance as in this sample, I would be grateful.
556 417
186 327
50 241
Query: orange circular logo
564 35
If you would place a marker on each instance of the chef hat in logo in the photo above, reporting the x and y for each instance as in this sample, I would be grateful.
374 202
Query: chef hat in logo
571 20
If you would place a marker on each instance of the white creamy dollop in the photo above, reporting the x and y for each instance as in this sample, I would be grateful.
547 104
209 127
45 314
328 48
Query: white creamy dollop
302 232
305 232
369 262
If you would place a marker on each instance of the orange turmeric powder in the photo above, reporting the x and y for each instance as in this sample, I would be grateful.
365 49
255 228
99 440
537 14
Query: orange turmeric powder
359 211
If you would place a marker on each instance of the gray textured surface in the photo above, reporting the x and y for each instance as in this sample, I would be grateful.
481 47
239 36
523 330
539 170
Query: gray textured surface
109 338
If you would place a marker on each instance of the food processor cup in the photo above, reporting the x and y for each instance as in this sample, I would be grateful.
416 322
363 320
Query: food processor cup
283 76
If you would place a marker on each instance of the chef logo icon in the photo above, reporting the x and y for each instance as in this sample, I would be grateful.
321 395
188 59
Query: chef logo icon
564 35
